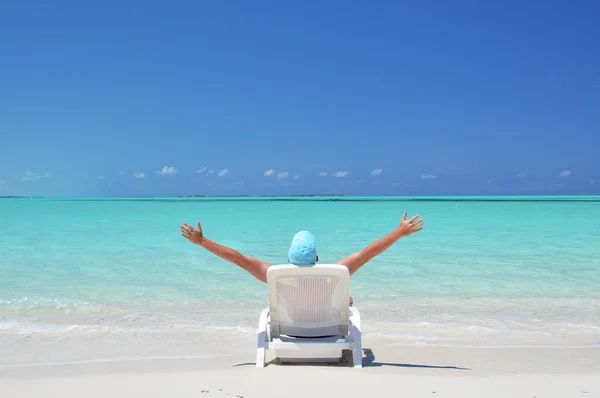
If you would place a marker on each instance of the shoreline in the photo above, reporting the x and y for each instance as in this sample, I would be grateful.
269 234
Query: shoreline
139 332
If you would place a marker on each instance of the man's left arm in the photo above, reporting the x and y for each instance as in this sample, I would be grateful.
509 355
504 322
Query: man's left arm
406 228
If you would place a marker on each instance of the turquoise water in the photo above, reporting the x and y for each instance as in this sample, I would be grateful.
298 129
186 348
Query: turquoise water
115 278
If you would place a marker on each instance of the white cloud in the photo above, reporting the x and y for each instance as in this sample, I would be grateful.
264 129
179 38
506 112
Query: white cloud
201 170
429 176
32 176
139 174
210 171
269 173
564 173
376 172
322 174
166 170
521 174
223 173
341 174
283 175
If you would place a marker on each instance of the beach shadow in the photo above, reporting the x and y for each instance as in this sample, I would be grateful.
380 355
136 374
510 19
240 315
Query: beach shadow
346 361
369 361
268 363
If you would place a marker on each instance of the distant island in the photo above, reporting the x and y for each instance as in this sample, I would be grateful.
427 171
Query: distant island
262 196
21 197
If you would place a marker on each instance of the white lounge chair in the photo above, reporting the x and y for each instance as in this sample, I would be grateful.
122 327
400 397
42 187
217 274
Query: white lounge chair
308 318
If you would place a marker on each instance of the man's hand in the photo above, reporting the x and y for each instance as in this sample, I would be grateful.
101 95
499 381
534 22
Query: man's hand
193 235
411 226
406 228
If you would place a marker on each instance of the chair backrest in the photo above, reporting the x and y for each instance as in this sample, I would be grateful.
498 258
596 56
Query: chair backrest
308 301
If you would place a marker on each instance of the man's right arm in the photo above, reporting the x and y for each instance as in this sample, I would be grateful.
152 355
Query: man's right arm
406 228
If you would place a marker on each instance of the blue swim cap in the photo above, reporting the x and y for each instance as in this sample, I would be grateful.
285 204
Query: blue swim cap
303 250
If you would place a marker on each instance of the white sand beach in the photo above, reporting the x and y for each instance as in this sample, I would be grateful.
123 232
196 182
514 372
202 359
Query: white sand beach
395 371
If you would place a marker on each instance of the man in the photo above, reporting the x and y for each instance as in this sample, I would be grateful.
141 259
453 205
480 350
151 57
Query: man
303 250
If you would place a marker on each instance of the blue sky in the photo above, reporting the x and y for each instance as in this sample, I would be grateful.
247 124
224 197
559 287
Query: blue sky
478 97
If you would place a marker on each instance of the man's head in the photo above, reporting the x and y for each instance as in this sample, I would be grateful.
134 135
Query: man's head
303 250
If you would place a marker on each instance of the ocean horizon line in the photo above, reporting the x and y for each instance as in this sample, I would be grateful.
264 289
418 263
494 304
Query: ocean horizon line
325 197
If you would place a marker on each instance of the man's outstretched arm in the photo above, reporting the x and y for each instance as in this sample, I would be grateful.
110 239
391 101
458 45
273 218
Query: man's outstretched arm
255 267
406 228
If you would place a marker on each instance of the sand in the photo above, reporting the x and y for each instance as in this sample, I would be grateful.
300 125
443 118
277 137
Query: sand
393 371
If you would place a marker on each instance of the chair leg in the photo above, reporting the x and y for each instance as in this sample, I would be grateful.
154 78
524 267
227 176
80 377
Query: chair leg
260 357
357 352
356 336
262 341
